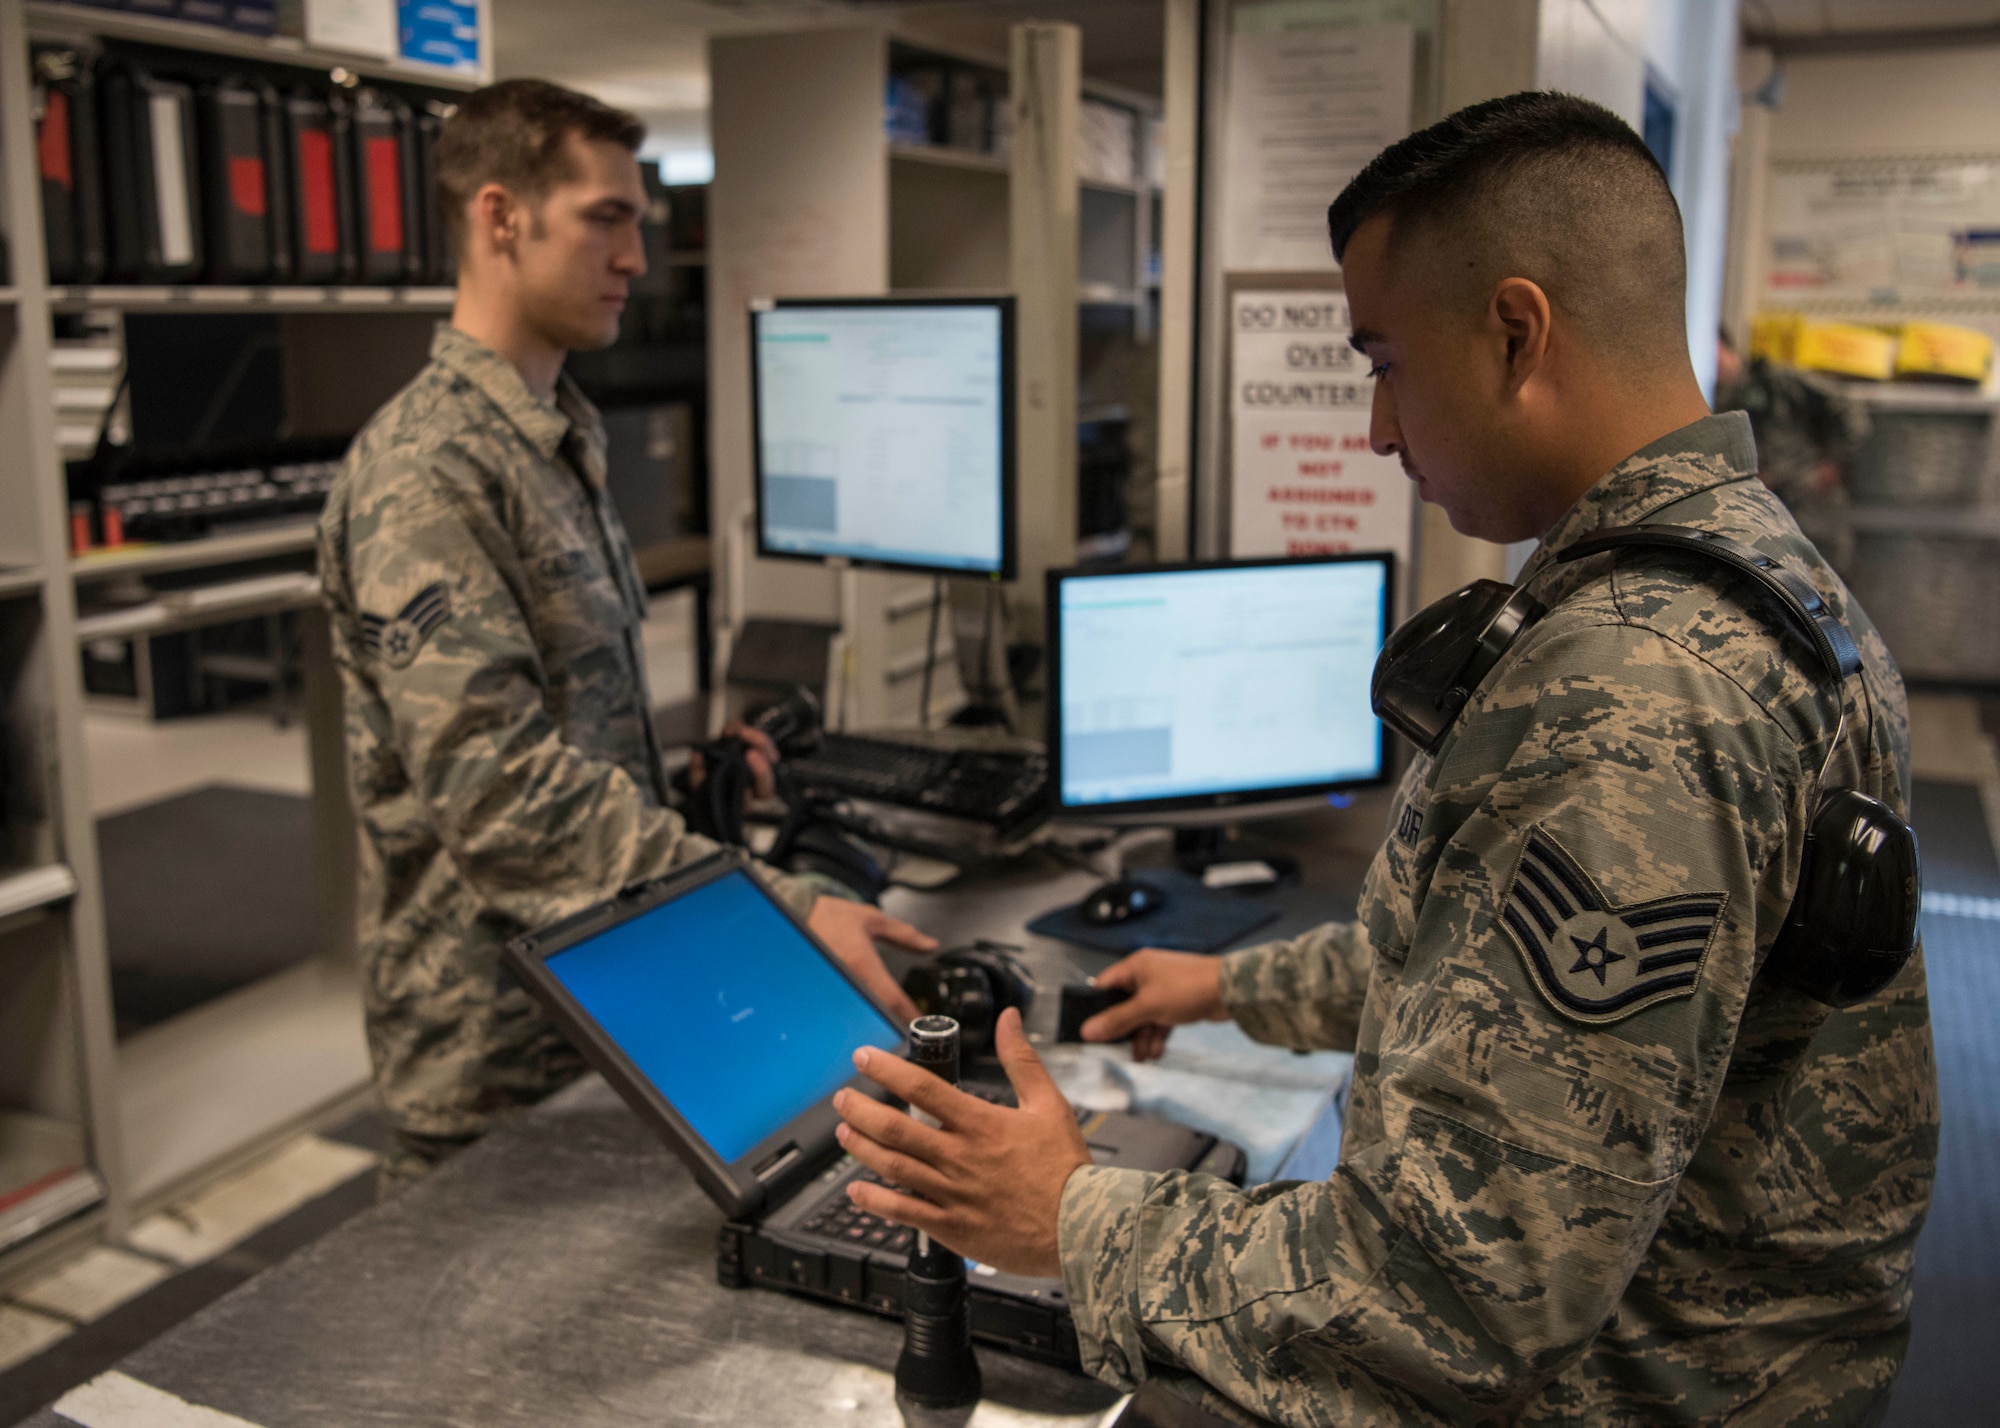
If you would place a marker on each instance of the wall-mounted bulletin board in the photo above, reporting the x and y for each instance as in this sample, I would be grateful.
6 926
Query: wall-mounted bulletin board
1919 232
1310 105
1301 95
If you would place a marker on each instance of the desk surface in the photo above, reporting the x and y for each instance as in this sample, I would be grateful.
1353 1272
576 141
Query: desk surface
563 1271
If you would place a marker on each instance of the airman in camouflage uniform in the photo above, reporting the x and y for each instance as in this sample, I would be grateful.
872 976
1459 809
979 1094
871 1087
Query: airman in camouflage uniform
1807 430
485 609
1595 1170
502 759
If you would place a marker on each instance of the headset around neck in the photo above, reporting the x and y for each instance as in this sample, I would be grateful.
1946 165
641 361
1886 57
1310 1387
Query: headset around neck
1853 920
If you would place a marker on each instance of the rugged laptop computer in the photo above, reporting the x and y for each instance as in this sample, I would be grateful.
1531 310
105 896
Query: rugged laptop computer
720 1019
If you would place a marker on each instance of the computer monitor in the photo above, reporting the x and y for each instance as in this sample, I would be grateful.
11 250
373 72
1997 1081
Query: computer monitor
884 432
1206 693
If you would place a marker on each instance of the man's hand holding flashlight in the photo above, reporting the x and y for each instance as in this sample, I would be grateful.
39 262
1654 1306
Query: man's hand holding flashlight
992 1178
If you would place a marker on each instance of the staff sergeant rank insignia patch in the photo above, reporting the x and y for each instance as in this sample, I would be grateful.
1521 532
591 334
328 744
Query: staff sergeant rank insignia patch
395 641
1594 962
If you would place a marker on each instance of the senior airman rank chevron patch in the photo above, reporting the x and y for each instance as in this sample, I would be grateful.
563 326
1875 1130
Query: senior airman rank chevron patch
396 640
1594 962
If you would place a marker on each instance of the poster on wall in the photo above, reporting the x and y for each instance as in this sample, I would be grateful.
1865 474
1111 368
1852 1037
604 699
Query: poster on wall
366 27
1308 108
1303 479
1884 230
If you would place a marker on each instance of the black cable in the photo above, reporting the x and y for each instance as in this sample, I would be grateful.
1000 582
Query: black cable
1006 661
226 389
987 694
930 652
717 805
99 448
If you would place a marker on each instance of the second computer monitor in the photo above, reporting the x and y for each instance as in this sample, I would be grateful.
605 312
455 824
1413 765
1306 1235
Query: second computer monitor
1182 689
884 431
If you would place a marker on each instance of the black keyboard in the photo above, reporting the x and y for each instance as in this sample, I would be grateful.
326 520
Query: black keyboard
840 1219
1006 789
187 507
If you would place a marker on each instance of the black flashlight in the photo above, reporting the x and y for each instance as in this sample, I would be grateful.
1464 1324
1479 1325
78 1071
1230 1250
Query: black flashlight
937 1370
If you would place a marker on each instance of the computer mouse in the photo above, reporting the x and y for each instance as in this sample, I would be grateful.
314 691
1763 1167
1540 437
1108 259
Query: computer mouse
1121 901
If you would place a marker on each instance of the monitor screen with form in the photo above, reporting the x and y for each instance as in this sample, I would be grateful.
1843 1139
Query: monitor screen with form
1208 684
883 432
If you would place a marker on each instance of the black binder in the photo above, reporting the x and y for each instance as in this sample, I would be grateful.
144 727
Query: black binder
316 189
340 113
240 198
153 199
67 153
440 253
388 227
278 177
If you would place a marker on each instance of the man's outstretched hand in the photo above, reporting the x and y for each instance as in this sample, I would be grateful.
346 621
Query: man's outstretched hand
850 930
1169 989
991 1178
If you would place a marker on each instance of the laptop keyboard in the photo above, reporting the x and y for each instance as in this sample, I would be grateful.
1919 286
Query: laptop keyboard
840 1219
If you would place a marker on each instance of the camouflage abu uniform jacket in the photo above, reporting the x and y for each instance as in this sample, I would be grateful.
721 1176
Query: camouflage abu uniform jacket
1595 1172
505 772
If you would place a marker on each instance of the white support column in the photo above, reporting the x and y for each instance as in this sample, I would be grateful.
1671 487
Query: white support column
1489 50
1047 64
1749 164
1178 226
799 207
1708 123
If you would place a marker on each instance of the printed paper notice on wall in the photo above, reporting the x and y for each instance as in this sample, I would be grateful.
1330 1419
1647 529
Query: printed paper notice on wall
366 27
1883 230
1302 477
1308 108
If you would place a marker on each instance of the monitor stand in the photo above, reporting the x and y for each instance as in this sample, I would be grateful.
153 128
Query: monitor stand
992 702
1196 850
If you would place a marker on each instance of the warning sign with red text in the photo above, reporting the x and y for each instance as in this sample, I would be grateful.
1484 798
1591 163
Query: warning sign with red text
1303 479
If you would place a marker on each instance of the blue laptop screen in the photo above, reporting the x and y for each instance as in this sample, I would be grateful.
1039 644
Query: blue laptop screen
720 1001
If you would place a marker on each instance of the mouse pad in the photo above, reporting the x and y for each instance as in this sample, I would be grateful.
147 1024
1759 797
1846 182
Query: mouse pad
1194 918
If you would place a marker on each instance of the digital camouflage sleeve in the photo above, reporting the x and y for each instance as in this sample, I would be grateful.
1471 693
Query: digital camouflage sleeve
1594 1172
485 610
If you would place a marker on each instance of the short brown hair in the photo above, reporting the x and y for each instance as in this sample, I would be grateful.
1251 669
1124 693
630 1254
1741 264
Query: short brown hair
512 133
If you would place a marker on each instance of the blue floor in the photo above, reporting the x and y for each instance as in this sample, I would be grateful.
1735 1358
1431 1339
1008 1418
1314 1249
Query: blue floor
1952 1376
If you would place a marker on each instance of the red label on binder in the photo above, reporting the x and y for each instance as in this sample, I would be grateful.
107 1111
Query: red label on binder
53 142
385 196
321 222
246 186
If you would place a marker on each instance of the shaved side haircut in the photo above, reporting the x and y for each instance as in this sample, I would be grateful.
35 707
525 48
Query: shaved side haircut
514 134
1542 186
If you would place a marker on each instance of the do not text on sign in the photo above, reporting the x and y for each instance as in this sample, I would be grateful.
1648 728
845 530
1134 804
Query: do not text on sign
1302 479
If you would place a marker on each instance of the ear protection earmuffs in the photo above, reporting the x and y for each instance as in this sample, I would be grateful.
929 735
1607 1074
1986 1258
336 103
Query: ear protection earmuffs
1852 925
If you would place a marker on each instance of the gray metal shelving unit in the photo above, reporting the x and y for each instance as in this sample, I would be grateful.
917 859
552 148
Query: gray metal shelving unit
94 1132
1925 489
